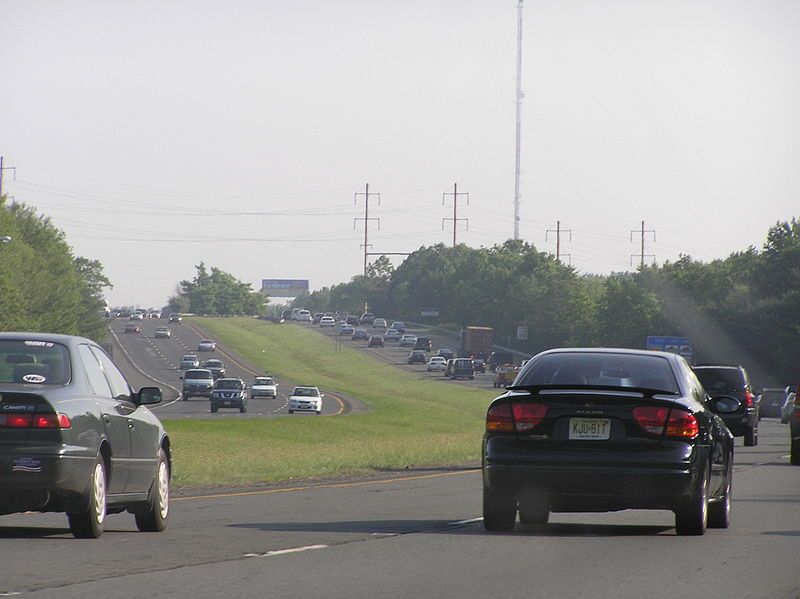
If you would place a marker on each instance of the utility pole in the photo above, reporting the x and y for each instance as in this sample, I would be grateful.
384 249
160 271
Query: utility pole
366 220
641 254
5 168
520 95
558 231
455 218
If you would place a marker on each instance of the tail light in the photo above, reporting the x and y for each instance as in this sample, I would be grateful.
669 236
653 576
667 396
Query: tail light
55 421
502 417
671 423
748 399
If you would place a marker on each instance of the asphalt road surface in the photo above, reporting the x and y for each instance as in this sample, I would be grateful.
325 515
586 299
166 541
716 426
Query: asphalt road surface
146 360
418 534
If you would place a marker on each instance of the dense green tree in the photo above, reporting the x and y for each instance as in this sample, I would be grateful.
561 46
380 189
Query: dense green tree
217 292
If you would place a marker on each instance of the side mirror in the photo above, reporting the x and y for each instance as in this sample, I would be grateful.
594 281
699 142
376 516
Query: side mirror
148 396
321 395
725 404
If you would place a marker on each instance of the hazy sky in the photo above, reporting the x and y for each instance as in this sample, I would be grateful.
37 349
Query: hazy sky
159 134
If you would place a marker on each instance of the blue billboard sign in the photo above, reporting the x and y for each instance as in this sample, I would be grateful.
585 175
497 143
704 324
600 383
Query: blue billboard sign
674 345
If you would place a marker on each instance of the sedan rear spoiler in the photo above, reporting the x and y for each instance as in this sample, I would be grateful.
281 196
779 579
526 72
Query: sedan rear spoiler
591 389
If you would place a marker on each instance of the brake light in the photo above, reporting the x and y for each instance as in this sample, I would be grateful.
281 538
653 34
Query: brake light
16 420
57 421
498 419
651 418
748 399
61 421
682 425
526 416
678 423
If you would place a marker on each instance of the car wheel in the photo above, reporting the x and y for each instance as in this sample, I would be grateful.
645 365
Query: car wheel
155 519
692 517
291 411
751 436
319 412
499 511
719 512
89 524
533 509
794 457
214 409
242 410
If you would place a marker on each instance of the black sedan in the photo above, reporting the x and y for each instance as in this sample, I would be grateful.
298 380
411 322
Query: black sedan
75 438
598 430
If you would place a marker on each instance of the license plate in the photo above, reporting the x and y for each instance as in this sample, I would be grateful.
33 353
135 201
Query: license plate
592 429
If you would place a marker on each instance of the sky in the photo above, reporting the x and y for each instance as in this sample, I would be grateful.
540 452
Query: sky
157 135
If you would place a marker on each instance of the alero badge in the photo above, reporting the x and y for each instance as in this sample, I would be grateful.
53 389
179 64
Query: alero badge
34 378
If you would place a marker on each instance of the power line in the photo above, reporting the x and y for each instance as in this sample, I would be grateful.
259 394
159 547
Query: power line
455 218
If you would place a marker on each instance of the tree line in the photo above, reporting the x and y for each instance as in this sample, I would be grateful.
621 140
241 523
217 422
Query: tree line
744 309
215 292
44 287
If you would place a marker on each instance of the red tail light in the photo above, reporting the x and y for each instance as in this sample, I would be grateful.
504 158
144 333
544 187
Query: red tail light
651 418
16 420
527 416
59 421
683 425
678 423
748 399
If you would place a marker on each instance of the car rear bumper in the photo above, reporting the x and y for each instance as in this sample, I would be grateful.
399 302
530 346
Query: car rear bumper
34 477
578 481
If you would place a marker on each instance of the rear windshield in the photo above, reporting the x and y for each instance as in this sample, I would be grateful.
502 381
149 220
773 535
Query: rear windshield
214 364
720 380
229 384
34 362
607 370
305 392
198 374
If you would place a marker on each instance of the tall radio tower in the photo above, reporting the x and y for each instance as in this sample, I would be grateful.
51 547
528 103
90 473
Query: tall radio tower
519 118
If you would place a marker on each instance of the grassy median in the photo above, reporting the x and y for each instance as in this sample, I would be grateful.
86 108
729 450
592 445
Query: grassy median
411 421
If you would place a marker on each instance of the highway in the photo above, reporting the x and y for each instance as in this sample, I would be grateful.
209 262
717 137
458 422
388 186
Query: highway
418 534
414 533
146 360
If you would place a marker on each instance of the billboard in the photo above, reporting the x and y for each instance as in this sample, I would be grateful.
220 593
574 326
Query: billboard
675 345
284 287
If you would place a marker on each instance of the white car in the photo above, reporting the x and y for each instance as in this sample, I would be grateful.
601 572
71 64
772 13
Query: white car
304 316
264 386
408 341
437 363
327 321
137 316
392 335
379 323
206 345
305 399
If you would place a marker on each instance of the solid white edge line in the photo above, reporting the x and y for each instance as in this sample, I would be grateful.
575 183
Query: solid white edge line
136 366
286 551
464 522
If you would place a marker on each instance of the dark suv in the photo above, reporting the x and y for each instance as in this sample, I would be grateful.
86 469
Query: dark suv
734 382
423 343
417 356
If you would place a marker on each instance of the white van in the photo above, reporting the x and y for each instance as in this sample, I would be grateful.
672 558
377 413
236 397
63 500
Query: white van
304 316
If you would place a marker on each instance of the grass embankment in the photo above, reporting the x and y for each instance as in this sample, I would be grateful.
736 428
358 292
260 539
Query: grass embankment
410 422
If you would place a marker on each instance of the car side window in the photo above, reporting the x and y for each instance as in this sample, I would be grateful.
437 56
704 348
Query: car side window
97 380
119 386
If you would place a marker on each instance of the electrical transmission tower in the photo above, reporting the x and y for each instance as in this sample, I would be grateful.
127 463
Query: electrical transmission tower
5 168
366 220
558 231
641 254
455 193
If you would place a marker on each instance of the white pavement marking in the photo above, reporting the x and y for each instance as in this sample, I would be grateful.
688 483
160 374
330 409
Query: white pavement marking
464 522
285 551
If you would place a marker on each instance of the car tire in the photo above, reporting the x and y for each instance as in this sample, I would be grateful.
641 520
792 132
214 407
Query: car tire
794 456
242 410
499 511
214 410
719 512
291 411
89 523
691 518
751 436
155 519
533 509
319 412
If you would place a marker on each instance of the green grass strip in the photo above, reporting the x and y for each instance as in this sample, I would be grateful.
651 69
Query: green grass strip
411 421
